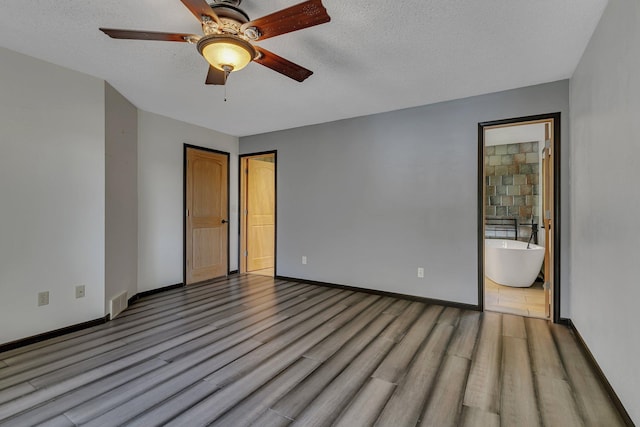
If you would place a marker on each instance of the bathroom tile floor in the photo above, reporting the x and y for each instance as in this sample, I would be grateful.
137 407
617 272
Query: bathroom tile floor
521 301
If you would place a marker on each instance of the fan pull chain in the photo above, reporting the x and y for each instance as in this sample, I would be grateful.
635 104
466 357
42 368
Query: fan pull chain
227 70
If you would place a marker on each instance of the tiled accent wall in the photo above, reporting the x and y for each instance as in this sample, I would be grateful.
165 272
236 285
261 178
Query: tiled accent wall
512 183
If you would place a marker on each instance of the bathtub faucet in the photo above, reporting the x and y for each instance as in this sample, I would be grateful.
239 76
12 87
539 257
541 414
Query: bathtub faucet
534 231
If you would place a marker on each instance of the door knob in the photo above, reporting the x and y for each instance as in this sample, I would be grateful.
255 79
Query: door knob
224 221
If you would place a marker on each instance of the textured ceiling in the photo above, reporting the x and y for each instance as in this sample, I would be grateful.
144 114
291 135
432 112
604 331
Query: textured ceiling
372 57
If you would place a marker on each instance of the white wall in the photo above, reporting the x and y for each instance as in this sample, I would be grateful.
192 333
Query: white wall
371 199
52 195
160 190
605 148
121 194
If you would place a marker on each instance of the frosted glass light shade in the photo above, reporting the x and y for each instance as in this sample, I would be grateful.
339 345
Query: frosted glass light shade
223 51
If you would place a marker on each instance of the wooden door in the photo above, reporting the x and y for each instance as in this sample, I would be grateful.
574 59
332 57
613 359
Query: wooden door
547 198
207 215
260 210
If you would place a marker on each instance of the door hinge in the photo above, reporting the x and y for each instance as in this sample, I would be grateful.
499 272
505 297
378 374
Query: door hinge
546 286
547 143
547 214
246 253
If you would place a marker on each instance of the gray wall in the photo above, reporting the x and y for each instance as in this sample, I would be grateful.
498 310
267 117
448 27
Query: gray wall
605 131
160 189
52 195
121 196
371 199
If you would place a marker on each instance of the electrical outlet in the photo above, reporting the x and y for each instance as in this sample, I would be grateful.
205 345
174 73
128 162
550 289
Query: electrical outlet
304 259
421 272
43 298
80 291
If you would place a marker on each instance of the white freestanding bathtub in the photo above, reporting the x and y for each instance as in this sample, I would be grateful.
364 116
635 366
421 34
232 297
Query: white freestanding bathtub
510 263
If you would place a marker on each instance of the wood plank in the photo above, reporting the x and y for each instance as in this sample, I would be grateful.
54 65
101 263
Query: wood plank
174 340
65 385
247 411
445 402
196 366
59 421
557 405
518 406
213 407
64 403
366 406
164 411
398 329
450 315
397 362
465 337
513 326
405 405
252 360
333 398
476 417
273 419
545 359
483 386
591 397
373 313
15 391
291 404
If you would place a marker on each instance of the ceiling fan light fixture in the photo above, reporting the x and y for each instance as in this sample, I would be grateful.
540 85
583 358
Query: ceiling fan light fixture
225 52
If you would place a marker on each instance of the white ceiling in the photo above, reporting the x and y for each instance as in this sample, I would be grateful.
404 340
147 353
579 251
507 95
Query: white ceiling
373 56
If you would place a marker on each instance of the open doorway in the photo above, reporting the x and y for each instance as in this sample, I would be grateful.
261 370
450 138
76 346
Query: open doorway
519 216
258 213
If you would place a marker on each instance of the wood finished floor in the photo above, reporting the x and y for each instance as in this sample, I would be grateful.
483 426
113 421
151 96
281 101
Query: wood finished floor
252 350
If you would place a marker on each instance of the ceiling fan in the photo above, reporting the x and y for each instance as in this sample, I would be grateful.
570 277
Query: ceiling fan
229 36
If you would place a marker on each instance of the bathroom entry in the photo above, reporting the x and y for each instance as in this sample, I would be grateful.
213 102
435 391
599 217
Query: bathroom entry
518 238
258 213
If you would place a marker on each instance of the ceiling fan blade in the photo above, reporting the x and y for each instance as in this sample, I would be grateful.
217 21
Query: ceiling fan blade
201 8
215 77
281 65
303 15
147 35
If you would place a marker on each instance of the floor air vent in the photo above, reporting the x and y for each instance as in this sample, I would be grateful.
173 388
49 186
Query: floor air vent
118 304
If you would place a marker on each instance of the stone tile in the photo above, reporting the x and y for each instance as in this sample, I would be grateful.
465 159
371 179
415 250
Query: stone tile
507 201
534 146
519 200
513 190
493 180
526 169
520 158
490 190
532 158
507 180
501 190
501 211
536 189
495 160
490 210
513 148
495 200
502 170
519 179
507 159
533 178
489 170
500 149
526 147
525 211
526 190
513 210
512 169
489 151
